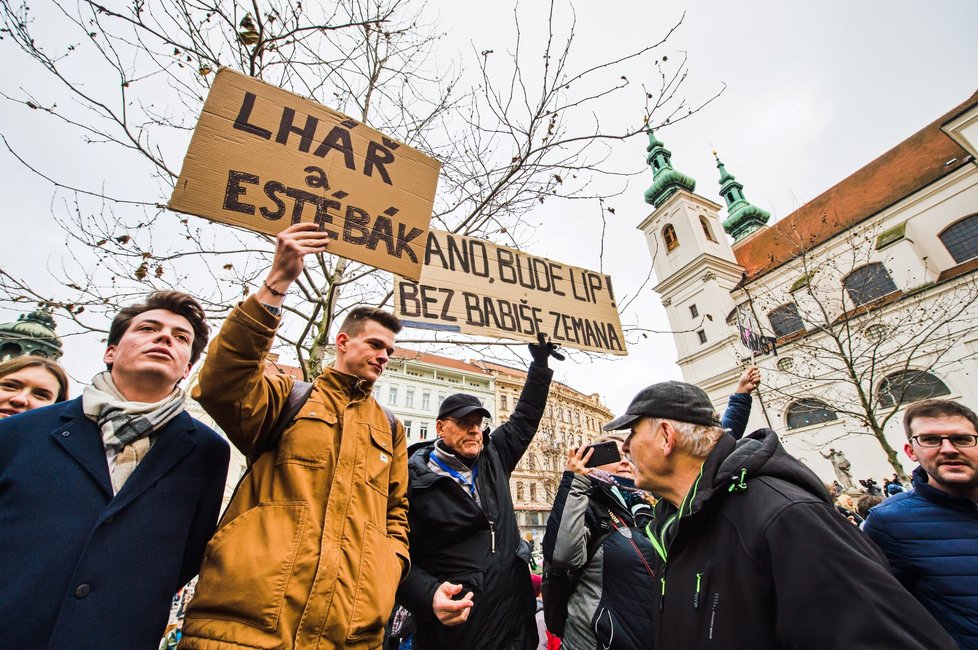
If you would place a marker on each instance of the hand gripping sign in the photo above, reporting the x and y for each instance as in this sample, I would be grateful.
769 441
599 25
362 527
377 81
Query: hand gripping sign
476 287
263 158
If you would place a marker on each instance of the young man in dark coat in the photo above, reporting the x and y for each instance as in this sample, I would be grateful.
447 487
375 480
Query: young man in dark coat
750 551
930 534
467 587
107 501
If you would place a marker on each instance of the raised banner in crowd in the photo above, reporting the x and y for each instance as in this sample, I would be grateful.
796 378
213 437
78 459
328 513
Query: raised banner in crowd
263 158
476 287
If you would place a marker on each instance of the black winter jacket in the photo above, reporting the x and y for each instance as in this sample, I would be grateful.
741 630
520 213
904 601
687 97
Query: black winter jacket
757 557
453 539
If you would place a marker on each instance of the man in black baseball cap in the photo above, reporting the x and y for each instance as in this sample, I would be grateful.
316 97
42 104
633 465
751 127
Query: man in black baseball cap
752 540
467 587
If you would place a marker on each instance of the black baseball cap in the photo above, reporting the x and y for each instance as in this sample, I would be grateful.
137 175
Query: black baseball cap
669 400
461 405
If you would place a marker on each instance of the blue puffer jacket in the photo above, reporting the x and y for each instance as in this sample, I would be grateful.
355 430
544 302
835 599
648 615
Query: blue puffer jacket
931 541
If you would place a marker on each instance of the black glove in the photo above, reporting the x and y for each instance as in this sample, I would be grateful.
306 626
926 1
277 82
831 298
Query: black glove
542 351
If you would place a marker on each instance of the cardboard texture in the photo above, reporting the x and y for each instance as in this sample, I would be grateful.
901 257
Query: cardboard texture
476 287
264 158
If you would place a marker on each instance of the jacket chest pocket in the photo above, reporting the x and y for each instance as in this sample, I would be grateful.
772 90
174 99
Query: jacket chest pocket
311 437
378 458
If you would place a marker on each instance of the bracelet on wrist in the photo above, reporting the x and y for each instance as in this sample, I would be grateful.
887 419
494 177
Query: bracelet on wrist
274 292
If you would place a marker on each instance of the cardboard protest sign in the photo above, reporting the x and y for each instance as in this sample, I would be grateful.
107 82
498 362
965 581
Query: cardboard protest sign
264 159
476 287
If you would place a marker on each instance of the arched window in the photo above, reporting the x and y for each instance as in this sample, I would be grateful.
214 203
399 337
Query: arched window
806 412
961 239
867 283
908 386
785 320
707 230
669 236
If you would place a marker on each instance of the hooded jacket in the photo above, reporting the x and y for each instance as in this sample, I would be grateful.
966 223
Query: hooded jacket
757 557
609 608
311 548
931 541
453 539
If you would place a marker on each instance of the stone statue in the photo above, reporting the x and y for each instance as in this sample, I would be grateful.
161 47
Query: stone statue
841 466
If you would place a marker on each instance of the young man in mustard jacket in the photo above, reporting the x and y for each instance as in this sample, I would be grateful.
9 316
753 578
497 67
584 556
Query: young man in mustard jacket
312 547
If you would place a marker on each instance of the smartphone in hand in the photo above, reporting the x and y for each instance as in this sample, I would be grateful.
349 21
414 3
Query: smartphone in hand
604 453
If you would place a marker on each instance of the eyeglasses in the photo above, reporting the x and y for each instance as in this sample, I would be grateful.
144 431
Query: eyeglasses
956 439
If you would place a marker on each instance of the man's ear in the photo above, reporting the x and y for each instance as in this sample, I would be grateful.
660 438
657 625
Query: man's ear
910 451
438 427
109 356
341 340
668 441
186 373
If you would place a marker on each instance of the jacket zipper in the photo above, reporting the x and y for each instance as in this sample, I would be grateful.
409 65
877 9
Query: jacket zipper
696 596
492 535
662 596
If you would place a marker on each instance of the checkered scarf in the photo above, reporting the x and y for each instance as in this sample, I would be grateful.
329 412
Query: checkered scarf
126 426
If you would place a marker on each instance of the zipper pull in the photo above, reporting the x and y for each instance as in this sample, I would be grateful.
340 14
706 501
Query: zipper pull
696 596
492 536
662 599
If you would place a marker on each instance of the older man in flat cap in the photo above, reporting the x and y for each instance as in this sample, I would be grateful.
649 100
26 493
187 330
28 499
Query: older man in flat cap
468 587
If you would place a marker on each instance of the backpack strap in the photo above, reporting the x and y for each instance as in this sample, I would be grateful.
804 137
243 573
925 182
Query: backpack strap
391 420
298 396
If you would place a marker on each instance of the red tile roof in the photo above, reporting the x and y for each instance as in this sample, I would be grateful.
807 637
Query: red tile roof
913 164
445 362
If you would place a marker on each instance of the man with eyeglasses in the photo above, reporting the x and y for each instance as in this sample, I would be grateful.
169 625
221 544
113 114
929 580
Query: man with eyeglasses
468 587
930 534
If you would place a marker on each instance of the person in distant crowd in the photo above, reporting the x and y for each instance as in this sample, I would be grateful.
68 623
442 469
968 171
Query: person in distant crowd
894 488
732 530
866 502
847 508
468 586
30 382
537 583
314 542
871 487
737 414
930 533
596 531
107 500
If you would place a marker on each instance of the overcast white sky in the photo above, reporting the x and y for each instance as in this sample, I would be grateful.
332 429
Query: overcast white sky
813 92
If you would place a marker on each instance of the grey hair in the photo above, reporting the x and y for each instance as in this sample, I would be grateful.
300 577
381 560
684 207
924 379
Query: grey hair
697 440
608 437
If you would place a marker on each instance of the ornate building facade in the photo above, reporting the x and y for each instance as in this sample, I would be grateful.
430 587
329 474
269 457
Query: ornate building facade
868 293
571 419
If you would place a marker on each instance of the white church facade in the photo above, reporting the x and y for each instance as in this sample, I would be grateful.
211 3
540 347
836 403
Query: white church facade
868 293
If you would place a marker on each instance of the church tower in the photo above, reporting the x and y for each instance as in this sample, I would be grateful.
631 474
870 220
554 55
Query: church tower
696 270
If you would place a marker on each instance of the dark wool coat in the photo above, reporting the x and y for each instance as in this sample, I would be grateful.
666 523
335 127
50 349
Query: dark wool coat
453 539
80 568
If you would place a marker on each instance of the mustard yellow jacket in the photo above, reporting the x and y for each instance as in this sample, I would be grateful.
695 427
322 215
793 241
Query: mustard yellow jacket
314 543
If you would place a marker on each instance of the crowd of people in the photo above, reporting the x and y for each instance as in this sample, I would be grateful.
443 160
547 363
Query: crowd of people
684 532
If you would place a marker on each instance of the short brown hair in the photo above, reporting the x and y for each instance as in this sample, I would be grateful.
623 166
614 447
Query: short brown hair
936 408
177 302
353 323
19 363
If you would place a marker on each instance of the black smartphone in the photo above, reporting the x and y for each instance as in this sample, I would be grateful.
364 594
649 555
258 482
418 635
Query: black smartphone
604 453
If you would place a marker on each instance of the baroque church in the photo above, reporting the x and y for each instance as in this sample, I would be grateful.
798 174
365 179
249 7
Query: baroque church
858 303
